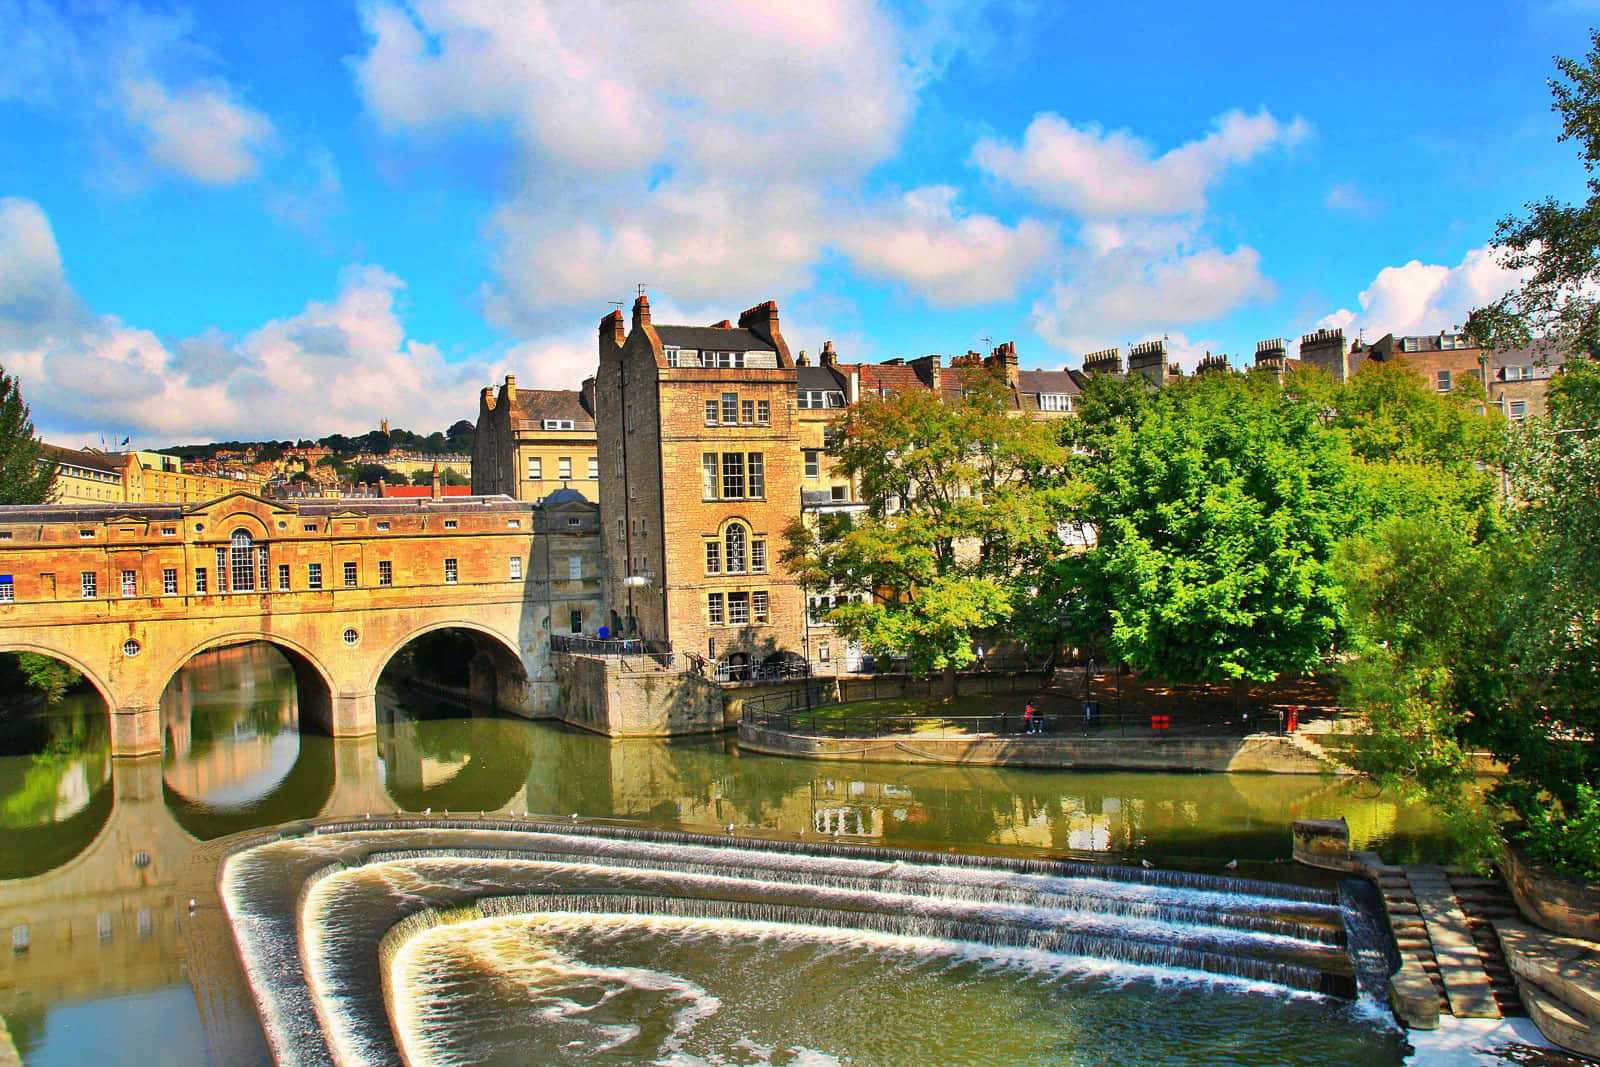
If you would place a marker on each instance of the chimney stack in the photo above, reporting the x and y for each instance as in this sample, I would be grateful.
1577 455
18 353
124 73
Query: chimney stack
438 490
1105 361
641 311
1149 358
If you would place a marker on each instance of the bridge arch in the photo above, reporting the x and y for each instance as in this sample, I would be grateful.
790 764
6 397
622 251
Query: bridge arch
314 683
496 674
77 663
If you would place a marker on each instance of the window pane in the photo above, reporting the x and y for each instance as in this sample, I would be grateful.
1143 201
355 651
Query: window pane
758 605
385 572
735 541
199 579
564 467
283 577
350 575
594 469
763 411
758 556
758 475
713 557
813 463
711 412
314 576
708 461
747 411
714 608
738 608
242 572
733 475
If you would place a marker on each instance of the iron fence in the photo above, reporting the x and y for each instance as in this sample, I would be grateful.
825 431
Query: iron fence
819 721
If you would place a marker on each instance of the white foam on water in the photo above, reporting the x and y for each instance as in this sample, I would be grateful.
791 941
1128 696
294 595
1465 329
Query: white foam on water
551 980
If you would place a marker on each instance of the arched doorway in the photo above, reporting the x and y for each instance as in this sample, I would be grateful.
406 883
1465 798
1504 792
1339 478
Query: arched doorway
245 738
55 763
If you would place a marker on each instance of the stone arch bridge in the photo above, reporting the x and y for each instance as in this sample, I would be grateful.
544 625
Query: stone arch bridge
128 594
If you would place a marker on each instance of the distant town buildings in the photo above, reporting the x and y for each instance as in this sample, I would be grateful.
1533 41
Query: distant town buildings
86 476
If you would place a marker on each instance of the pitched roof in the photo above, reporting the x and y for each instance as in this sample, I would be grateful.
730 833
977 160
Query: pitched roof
535 405
715 338
1046 381
884 379
95 461
818 378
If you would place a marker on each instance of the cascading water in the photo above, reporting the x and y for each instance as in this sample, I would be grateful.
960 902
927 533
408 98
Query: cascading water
469 942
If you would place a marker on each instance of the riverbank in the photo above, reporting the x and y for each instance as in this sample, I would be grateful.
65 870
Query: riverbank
1251 753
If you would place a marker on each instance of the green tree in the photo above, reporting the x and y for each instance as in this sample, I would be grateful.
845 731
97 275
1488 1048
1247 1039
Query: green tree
27 475
1557 244
1217 507
369 473
962 504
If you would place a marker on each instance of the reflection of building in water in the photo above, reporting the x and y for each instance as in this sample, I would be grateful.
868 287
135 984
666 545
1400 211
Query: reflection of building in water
230 716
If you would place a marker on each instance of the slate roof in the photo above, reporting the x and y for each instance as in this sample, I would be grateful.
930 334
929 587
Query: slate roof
819 378
533 406
1545 357
95 461
1046 381
714 338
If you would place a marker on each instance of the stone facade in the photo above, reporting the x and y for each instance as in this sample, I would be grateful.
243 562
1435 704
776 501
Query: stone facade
699 477
129 594
532 442
89 477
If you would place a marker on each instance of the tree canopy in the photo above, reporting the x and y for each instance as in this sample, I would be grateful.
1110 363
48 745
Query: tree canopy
27 475
962 501
1217 503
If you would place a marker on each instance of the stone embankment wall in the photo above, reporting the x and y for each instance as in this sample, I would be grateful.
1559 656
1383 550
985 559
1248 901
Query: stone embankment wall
1256 753
595 693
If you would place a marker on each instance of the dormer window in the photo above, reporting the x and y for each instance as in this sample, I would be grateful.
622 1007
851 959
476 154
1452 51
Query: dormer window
1055 402
821 398
559 424
723 360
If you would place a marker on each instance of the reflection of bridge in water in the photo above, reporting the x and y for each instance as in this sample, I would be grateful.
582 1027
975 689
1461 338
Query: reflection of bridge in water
110 919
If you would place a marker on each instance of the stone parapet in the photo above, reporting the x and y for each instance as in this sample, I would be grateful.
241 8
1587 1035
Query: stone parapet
1554 902
598 694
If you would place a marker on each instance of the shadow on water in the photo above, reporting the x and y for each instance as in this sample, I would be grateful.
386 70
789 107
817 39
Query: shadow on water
438 755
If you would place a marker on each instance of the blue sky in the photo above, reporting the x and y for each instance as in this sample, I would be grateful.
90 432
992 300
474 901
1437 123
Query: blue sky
225 220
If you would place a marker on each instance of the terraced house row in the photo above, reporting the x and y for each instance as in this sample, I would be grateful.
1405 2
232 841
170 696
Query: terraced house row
701 444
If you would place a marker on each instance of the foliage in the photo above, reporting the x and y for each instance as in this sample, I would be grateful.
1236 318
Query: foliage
26 474
1422 607
962 504
1568 837
1547 731
1217 506
29 669
447 476
1558 245
368 473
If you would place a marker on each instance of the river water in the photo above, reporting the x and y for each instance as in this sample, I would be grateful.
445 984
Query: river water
92 851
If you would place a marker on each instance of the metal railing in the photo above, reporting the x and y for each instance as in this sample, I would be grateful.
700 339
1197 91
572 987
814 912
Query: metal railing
657 652
821 722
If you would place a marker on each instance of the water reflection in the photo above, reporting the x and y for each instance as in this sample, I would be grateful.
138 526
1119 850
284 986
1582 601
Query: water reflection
91 849
233 755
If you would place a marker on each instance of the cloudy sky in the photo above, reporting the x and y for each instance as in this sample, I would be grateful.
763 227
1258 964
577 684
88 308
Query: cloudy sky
226 220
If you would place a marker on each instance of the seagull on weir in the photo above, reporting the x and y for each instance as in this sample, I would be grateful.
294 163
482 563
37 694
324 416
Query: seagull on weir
1232 865
573 817
1146 864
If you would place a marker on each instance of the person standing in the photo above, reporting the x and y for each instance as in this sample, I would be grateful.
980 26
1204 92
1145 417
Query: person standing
1030 723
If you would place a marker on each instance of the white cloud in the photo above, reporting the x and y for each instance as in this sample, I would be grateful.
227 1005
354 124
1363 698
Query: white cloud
807 86
1093 173
1347 198
138 82
1128 280
1419 298
701 242
704 148
199 132
951 259
339 365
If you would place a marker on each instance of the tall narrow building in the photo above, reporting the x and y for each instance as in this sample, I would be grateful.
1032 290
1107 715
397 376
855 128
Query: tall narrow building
700 474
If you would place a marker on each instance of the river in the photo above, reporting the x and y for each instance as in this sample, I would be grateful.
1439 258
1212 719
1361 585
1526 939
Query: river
92 850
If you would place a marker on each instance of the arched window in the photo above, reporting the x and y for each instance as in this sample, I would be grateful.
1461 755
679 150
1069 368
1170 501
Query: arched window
242 562
734 540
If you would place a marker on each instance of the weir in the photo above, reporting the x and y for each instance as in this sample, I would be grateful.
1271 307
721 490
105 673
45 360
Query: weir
348 896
